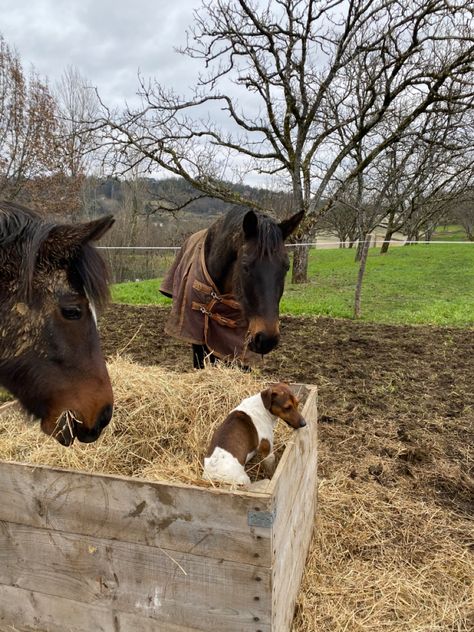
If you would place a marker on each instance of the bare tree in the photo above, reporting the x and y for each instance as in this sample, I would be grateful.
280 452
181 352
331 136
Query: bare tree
462 210
283 74
340 218
27 130
427 168
77 108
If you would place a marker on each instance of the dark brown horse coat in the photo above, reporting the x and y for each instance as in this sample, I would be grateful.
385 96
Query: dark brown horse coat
200 314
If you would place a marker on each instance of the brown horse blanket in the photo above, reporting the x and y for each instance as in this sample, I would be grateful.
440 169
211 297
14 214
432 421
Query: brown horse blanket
200 314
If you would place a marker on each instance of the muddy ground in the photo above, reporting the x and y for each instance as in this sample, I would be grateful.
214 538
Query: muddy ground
395 403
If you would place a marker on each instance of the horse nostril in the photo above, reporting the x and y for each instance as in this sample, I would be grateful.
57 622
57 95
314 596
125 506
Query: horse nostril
263 343
105 416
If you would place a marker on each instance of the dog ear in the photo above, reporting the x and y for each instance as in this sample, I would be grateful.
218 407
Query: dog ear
267 398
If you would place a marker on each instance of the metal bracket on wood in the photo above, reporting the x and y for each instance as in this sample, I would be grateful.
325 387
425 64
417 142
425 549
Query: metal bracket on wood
261 518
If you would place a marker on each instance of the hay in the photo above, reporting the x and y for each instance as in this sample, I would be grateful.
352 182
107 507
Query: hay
387 554
385 562
162 425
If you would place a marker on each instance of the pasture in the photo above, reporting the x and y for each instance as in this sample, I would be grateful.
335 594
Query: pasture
421 284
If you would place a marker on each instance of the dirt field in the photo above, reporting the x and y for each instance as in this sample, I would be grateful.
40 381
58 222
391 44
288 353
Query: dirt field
396 493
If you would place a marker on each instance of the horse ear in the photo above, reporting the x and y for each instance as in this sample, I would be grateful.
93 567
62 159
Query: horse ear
63 240
289 225
250 225
96 229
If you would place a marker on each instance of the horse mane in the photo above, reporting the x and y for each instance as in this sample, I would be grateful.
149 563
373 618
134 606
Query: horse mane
269 238
26 231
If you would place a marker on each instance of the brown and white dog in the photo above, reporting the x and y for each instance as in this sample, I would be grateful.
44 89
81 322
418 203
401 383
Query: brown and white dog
248 429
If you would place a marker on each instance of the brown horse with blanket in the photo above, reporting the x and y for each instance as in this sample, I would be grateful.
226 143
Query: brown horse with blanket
226 283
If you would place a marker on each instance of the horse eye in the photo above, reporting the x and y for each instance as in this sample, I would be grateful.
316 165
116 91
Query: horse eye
71 313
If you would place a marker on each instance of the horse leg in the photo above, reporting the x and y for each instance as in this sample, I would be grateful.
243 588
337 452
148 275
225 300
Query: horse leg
200 354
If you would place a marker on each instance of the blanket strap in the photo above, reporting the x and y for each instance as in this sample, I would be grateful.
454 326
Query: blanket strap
207 308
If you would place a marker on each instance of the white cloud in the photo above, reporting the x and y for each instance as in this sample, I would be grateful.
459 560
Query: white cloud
108 41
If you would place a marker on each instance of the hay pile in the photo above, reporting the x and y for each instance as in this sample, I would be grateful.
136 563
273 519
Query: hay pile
391 551
162 425
386 562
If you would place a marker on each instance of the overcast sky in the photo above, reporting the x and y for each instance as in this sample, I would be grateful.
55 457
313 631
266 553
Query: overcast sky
107 40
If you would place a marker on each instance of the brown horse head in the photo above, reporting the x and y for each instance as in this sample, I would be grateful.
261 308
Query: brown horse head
52 281
246 256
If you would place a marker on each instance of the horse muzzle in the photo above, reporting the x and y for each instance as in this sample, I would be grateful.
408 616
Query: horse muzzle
68 427
263 343
89 435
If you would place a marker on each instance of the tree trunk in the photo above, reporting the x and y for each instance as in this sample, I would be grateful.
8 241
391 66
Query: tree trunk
389 233
412 236
300 265
360 276
360 248
386 241
429 234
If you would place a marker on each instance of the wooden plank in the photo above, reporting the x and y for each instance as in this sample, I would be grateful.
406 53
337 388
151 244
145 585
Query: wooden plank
131 623
189 590
27 611
295 505
208 522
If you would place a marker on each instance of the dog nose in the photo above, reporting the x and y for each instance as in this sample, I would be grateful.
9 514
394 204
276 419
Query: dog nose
263 343
302 423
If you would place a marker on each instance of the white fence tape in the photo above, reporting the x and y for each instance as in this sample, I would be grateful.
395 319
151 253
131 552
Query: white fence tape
312 244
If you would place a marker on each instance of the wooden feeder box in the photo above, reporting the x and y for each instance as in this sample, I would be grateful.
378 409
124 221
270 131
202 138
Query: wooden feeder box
98 553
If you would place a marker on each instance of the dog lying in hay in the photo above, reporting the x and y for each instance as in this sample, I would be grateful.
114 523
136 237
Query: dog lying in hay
248 430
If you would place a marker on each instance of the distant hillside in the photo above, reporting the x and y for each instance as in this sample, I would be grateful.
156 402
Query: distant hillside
170 193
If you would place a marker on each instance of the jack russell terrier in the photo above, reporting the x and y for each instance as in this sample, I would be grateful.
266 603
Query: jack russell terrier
248 429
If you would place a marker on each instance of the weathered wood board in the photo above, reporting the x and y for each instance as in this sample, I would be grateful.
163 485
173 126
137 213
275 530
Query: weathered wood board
85 552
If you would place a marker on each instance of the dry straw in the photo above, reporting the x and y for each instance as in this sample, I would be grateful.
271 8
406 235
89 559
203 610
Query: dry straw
384 558
162 425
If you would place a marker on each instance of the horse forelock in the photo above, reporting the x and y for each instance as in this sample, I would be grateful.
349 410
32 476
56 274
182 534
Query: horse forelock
21 234
92 274
269 240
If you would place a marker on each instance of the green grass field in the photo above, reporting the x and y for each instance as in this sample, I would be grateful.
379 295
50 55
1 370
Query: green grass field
450 232
421 284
